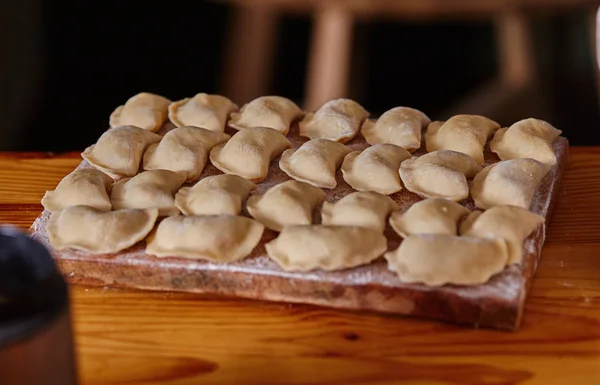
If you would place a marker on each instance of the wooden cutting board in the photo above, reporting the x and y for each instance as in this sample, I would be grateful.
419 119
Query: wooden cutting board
498 303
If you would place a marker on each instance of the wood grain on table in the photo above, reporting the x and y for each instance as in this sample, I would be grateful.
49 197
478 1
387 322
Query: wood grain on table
133 338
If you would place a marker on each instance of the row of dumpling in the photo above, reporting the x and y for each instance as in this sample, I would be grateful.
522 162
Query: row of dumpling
350 233
341 120
440 174
380 167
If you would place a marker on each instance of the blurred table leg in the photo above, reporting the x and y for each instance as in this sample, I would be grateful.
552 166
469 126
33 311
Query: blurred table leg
329 57
249 55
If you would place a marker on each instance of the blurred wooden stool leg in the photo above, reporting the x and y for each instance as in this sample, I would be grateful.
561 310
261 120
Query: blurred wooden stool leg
515 51
249 53
329 56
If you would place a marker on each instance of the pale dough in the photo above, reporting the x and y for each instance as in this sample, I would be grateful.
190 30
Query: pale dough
288 203
217 194
217 238
184 150
429 216
144 110
527 138
508 182
275 112
315 162
85 186
249 152
439 174
88 229
203 110
401 126
338 120
119 150
463 133
364 208
149 189
375 168
436 260
310 247
513 224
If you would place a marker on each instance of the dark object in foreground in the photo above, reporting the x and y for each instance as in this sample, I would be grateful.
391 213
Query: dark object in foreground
36 345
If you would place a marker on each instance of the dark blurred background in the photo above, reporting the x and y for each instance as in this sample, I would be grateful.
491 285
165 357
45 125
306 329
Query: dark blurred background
66 65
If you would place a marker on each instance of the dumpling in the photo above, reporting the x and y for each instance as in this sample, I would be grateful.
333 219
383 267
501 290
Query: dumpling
249 152
119 150
315 162
89 229
439 174
338 120
149 189
203 110
401 126
288 203
463 133
85 186
217 238
144 110
513 224
366 209
508 183
217 194
435 259
429 216
275 112
375 169
184 150
528 138
310 247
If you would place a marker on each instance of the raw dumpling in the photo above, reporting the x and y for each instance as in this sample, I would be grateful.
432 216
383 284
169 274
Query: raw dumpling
436 260
508 183
217 194
401 126
184 150
366 209
439 174
217 238
203 110
85 186
463 133
119 150
88 229
528 138
288 203
513 224
309 247
275 112
429 216
338 120
315 162
249 152
375 169
149 189
144 110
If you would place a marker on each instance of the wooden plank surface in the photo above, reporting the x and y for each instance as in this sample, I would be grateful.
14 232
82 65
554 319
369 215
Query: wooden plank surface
134 338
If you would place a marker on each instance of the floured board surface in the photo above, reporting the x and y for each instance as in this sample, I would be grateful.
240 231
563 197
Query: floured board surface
498 303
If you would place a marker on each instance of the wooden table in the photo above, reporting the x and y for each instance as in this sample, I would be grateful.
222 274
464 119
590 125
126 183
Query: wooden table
126 337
